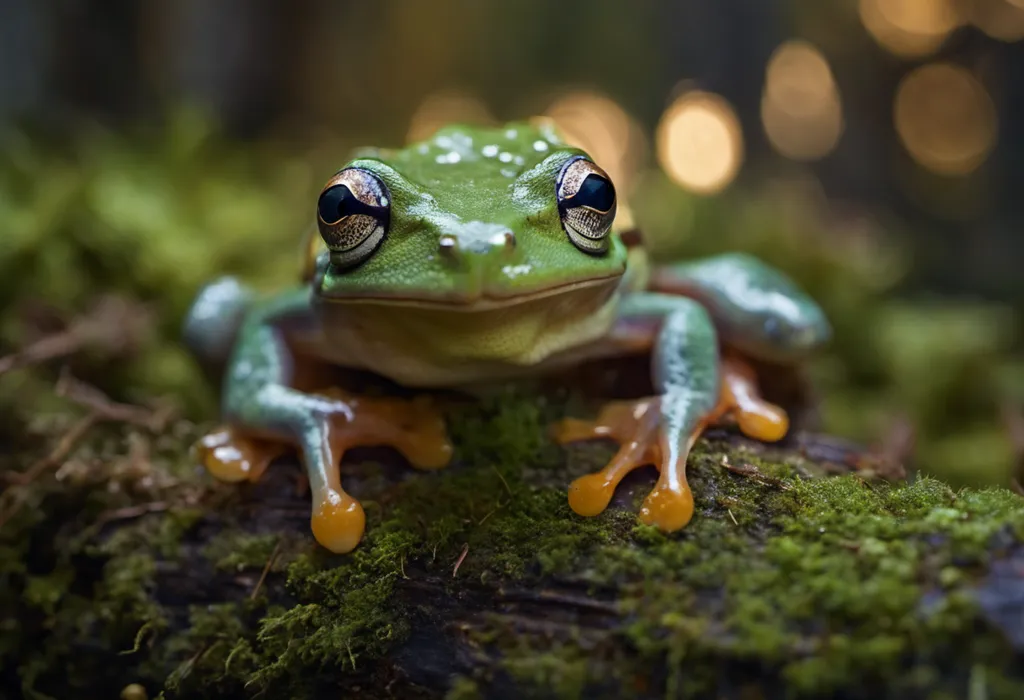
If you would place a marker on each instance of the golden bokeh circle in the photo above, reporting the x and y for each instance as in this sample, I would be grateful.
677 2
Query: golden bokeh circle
597 124
446 107
910 28
945 118
700 142
800 109
999 19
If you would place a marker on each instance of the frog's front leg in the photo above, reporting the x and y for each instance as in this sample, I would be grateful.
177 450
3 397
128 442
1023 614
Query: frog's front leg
262 411
659 430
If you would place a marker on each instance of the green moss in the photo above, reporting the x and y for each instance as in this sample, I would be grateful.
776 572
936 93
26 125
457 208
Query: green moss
827 595
818 582
237 550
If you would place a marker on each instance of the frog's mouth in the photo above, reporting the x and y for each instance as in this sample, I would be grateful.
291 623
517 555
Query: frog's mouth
485 300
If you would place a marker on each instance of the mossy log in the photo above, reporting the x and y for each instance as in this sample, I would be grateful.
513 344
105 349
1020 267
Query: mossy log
801 575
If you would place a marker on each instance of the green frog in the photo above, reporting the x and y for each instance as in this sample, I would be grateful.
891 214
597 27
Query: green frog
482 255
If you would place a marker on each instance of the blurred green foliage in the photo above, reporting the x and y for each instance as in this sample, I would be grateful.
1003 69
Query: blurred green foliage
155 216
151 217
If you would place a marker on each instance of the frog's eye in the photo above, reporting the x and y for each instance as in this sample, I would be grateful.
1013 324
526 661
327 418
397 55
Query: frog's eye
353 214
586 202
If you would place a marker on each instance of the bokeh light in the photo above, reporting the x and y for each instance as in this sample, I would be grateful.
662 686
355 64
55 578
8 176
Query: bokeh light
598 125
700 142
945 118
910 28
447 107
1000 19
800 109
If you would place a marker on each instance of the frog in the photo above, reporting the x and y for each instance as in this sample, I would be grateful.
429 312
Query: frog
478 256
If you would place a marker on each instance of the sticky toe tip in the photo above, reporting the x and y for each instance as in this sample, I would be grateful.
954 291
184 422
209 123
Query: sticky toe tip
338 526
589 495
667 510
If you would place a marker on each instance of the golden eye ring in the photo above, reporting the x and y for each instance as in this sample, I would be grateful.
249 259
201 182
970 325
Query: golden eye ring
586 204
353 214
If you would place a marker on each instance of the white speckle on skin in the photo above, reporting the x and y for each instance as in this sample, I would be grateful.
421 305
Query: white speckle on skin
511 134
513 271
489 151
424 148
508 172
384 201
450 157
518 160
505 157
540 146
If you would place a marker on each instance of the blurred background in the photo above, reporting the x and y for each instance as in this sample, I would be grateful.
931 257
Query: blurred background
870 148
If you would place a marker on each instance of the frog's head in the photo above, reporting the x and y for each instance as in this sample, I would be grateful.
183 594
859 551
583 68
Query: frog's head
467 220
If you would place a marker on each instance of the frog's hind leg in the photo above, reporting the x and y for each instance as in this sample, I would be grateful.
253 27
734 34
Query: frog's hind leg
760 314
757 309
659 430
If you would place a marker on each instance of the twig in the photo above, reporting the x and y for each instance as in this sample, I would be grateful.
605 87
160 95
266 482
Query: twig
507 487
462 557
130 512
896 448
266 570
1013 416
113 323
731 516
89 396
59 452
752 472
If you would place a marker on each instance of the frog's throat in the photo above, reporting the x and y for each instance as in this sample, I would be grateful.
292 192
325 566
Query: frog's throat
419 344
459 302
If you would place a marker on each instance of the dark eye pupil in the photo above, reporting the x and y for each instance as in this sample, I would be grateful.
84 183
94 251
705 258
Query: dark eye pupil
336 203
596 193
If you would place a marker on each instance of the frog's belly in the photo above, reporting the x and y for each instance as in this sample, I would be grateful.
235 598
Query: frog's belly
419 347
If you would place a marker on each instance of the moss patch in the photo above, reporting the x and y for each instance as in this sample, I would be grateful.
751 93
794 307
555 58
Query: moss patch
781 580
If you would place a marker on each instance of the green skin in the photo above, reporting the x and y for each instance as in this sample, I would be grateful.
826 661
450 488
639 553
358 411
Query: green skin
446 300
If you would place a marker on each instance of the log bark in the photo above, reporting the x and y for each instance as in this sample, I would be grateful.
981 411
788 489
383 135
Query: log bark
801 575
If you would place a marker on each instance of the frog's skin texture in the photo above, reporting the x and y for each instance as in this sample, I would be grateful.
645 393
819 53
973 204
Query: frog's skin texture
482 255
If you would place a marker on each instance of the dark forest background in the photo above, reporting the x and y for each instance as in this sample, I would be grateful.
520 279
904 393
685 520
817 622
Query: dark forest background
871 148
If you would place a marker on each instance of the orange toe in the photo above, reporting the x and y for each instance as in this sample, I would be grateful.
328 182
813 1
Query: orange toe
763 421
668 509
230 457
338 522
589 495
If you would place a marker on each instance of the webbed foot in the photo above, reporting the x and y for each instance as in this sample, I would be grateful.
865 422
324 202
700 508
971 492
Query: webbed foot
649 431
741 400
341 421
638 428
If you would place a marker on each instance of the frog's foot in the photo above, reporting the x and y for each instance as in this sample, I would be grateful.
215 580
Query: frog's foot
653 431
334 423
643 435
414 427
741 400
231 456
